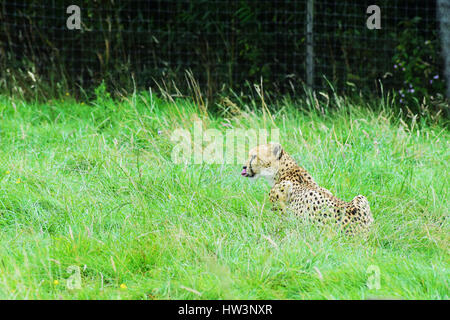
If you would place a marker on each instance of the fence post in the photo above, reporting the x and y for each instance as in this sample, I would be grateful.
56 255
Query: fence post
310 43
444 19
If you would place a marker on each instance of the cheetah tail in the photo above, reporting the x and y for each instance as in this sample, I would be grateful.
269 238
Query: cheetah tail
362 205
361 202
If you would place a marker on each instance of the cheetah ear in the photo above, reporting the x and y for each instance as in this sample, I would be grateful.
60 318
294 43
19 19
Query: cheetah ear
277 150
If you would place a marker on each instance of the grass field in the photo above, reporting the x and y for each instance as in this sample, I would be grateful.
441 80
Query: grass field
91 189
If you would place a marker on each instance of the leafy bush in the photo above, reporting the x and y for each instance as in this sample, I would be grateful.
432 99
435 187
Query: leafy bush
416 65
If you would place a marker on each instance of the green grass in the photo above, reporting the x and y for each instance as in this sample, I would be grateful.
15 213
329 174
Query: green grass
93 186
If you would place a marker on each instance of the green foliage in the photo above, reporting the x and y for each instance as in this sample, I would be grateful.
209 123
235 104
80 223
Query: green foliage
83 188
101 94
416 64
226 45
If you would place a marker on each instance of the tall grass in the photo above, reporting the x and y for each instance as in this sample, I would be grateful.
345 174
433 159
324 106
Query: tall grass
92 186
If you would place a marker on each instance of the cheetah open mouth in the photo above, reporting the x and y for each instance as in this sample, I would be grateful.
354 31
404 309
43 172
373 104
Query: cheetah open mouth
247 174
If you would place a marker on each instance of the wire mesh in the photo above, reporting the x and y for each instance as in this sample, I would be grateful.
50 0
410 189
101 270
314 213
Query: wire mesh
350 54
225 43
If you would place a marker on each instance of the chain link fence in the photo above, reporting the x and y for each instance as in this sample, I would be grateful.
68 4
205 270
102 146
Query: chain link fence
224 44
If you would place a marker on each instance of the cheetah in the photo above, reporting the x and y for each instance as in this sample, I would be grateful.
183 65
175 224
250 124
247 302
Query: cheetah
294 189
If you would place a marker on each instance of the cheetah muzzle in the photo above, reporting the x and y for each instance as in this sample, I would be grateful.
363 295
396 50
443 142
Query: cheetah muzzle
294 189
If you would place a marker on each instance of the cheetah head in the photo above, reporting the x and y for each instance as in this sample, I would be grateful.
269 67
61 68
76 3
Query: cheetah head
263 161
